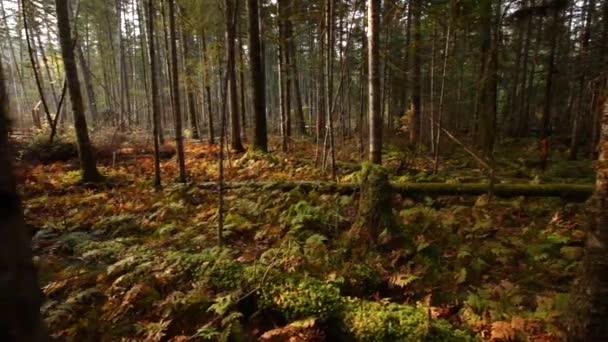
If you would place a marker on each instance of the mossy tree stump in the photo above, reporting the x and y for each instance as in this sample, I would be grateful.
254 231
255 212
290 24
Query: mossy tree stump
375 219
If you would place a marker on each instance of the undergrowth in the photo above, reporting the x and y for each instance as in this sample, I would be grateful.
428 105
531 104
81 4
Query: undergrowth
128 263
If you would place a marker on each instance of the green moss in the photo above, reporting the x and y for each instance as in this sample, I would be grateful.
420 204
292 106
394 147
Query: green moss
305 298
373 321
443 331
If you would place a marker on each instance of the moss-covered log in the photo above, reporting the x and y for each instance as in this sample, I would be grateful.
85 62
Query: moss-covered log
572 192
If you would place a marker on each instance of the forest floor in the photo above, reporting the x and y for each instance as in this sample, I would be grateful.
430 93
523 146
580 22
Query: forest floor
121 261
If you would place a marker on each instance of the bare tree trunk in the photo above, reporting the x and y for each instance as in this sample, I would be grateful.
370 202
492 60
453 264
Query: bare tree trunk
291 53
446 56
284 74
545 129
375 118
125 100
595 282
230 36
177 112
243 96
88 164
190 87
329 40
487 80
258 80
37 73
585 37
416 91
20 318
88 83
155 94
207 83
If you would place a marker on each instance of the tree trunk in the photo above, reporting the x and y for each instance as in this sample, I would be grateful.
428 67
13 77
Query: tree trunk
230 39
329 81
290 50
583 60
190 86
125 100
155 94
88 164
177 111
258 80
486 105
20 318
284 76
375 117
416 87
88 83
207 83
37 73
596 257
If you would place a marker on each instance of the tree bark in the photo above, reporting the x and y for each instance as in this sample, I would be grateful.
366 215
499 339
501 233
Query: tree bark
190 89
20 298
88 164
155 94
375 117
230 38
486 105
88 83
596 256
207 84
415 121
582 79
258 80
177 112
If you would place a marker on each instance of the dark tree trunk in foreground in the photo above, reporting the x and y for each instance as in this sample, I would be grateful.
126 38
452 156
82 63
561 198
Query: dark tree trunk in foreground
155 95
230 35
88 164
177 110
20 297
258 86
596 258
375 117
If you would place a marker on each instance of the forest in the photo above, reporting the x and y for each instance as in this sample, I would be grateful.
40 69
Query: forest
319 170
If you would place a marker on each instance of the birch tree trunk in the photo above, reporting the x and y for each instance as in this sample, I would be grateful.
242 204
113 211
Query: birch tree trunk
375 117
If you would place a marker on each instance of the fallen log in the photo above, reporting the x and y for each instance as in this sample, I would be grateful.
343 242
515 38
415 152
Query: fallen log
574 192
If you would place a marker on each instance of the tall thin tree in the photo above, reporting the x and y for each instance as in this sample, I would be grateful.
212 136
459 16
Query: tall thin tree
258 80
88 165
230 40
177 111
155 94
375 116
